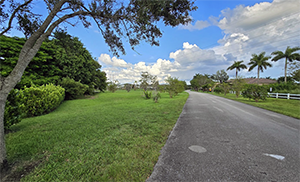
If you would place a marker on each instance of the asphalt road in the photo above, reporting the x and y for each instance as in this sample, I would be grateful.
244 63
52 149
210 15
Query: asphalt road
216 139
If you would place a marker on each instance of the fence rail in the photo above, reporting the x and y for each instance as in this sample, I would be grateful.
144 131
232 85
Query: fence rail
284 95
278 95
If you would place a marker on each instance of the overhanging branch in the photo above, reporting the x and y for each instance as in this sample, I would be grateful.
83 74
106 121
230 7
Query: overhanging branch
13 16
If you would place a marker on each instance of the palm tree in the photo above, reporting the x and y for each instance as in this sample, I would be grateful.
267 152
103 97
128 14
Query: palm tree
288 55
237 65
260 61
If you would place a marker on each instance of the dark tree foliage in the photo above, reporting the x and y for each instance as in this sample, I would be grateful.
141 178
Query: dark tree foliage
200 80
56 59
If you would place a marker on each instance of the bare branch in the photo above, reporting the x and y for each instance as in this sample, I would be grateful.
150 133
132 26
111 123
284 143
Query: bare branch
13 15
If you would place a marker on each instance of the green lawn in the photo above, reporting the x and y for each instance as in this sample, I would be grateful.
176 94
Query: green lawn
283 106
112 137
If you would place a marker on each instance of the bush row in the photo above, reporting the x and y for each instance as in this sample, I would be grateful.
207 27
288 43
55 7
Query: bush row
42 100
35 101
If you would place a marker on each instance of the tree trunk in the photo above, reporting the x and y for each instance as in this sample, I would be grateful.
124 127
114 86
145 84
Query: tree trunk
257 75
285 68
2 141
5 88
236 73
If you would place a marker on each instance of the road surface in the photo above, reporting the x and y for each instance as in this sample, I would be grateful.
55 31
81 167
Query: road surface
216 139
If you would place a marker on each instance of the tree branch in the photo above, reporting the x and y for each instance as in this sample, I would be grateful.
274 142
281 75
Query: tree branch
33 38
13 16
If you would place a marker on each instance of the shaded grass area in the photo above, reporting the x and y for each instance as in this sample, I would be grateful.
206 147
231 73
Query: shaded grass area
283 106
111 137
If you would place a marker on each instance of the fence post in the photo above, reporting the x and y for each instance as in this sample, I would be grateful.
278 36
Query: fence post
288 96
276 95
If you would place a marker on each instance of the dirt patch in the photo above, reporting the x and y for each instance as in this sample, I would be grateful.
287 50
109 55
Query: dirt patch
90 97
16 171
93 97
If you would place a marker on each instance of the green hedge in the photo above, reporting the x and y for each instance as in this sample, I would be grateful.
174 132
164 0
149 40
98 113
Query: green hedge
13 108
42 100
73 89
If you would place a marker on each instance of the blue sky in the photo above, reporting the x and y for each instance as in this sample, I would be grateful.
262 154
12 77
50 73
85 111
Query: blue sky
222 31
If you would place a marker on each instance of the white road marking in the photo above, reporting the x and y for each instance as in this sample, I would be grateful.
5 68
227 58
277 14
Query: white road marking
273 115
218 109
279 157
237 108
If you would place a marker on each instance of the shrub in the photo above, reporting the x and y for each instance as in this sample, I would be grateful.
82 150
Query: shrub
128 87
156 97
112 87
277 87
225 87
147 94
255 92
73 89
13 109
218 90
42 100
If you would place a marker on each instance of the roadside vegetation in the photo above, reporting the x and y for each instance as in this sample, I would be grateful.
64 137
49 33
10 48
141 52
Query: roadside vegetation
283 106
108 137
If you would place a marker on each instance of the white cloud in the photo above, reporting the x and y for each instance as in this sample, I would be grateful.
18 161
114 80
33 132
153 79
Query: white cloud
252 29
199 25
107 60
264 27
250 17
186 62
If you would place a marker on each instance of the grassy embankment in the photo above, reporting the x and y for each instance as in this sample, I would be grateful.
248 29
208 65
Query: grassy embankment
283 106
112 137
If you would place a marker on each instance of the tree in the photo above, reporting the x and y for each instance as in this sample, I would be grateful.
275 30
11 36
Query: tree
225 87
128 87
148 80
289 55
260 61
112 86
174 86
221 76
62 56
200 80
296 75
237 65
135 20
238 85
255 92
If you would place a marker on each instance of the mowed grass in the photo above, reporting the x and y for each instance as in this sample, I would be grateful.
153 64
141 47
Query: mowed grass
283 106
113 137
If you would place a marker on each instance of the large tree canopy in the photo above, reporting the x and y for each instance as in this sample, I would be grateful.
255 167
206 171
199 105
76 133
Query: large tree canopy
63 56
135 20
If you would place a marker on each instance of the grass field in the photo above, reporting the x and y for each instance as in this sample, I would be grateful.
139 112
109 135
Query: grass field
110 137
283 106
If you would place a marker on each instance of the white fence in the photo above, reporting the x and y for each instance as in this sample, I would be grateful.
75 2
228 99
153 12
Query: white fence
278 95
284 95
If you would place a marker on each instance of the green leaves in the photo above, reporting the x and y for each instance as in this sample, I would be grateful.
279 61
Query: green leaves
56 58
255 92
13 109
41 100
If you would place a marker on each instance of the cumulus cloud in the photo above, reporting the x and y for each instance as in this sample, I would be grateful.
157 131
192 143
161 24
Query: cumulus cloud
262 27
183 63
199 25
248 29
251 17
107 60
